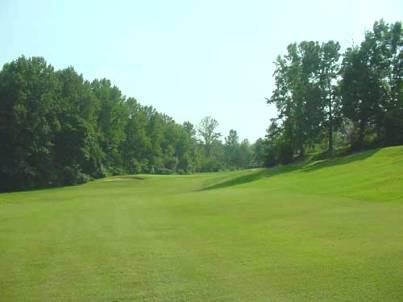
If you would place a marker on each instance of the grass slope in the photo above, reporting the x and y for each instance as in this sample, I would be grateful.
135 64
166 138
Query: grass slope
322 231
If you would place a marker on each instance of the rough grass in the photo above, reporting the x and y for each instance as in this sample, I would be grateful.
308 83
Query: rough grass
320 231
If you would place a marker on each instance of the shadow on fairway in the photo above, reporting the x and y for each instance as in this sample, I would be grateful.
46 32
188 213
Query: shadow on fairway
342 160
129 177
236 180
250 177
302 166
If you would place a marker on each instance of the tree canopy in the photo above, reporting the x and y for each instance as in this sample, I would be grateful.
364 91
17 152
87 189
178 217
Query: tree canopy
57 128
323 96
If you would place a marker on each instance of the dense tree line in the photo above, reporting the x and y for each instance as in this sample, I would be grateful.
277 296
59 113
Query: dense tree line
57 128
326 99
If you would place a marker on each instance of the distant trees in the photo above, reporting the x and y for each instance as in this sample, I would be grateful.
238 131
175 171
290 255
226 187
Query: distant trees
238 154
207 131
57 128
258 153
231 154
212 153
232 149
319 97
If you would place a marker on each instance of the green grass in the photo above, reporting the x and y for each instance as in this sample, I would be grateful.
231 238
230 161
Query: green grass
320 231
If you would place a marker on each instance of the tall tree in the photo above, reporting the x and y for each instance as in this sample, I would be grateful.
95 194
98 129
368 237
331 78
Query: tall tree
245 154
232 149
259 152
77 149
190 160
297 94
208 132
28 111
112 119
136 145
329 69
371 85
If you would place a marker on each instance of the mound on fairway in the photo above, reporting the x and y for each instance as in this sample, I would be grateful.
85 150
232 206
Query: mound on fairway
324 231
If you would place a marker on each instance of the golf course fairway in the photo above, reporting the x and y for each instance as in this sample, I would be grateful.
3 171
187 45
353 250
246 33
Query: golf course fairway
328 230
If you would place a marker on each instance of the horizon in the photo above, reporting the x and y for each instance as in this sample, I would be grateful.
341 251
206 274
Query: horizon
167 56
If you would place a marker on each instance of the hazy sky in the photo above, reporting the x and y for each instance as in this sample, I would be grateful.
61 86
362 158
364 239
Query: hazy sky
188 59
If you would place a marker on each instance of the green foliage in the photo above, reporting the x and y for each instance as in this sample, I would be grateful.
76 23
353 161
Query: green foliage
77 145
371 86
232 149
207 132
358 102
258 153
58 129
28 106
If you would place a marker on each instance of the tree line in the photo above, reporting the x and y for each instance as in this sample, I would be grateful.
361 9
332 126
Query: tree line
328 100
57 128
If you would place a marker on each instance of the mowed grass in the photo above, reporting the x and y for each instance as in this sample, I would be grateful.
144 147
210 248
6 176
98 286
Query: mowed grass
320 231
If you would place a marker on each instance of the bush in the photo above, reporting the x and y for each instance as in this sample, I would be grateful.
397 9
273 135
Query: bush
72 175
285 153
165 171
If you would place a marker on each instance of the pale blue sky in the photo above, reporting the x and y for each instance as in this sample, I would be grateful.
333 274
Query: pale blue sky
188 59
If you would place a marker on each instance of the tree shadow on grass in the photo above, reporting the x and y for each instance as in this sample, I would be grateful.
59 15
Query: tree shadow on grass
130 177
253 176
342 160
303 166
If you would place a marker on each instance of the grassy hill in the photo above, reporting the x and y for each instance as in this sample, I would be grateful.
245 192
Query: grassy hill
320 231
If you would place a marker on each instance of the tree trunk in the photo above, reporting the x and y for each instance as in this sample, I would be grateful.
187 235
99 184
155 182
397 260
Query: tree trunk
330 150
361 134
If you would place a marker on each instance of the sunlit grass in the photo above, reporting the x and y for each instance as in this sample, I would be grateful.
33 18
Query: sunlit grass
318 231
